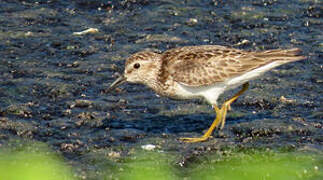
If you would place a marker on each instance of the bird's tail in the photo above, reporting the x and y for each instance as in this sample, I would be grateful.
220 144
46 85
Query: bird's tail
287 55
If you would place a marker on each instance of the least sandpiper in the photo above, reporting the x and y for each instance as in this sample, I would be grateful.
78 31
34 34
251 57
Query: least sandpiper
202 72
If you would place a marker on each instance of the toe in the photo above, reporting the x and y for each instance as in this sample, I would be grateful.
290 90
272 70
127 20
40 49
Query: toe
193 140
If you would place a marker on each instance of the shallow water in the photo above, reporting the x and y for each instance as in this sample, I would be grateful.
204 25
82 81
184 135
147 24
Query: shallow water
52 83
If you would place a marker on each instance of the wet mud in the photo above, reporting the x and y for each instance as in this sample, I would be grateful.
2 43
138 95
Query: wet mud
53 82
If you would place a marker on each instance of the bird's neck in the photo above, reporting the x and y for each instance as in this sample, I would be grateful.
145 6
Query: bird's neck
152 79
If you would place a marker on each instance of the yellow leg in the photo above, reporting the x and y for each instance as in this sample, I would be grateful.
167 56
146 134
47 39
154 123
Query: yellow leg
220 117
215 123
226 104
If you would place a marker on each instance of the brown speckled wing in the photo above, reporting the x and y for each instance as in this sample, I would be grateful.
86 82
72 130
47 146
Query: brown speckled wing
209 64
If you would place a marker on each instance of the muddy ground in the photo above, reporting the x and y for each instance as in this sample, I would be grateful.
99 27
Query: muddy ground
53 83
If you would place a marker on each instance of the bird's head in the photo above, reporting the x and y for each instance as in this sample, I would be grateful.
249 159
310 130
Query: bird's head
141 67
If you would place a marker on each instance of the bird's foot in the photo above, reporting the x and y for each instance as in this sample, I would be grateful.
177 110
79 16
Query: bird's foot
193 140
229 107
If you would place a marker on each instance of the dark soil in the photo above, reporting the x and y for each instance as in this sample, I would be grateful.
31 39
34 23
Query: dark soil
52 83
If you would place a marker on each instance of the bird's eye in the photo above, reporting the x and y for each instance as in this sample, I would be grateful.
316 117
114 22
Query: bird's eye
136 66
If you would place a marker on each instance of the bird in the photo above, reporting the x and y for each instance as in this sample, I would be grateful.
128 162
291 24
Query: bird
203 71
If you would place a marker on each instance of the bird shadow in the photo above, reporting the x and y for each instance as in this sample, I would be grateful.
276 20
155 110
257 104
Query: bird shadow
159 124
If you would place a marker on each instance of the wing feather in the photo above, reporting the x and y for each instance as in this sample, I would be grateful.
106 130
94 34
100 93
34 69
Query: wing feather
209 64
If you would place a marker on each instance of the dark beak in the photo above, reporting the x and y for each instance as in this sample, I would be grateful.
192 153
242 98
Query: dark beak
117 83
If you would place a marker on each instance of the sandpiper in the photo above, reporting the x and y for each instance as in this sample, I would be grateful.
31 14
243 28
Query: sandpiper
204 71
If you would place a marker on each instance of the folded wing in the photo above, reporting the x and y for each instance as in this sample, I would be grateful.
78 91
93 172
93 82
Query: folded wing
209 64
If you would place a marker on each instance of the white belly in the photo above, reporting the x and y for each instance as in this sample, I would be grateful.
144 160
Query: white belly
212 92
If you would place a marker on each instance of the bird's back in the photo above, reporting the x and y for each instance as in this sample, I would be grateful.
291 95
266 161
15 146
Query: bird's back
209 64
